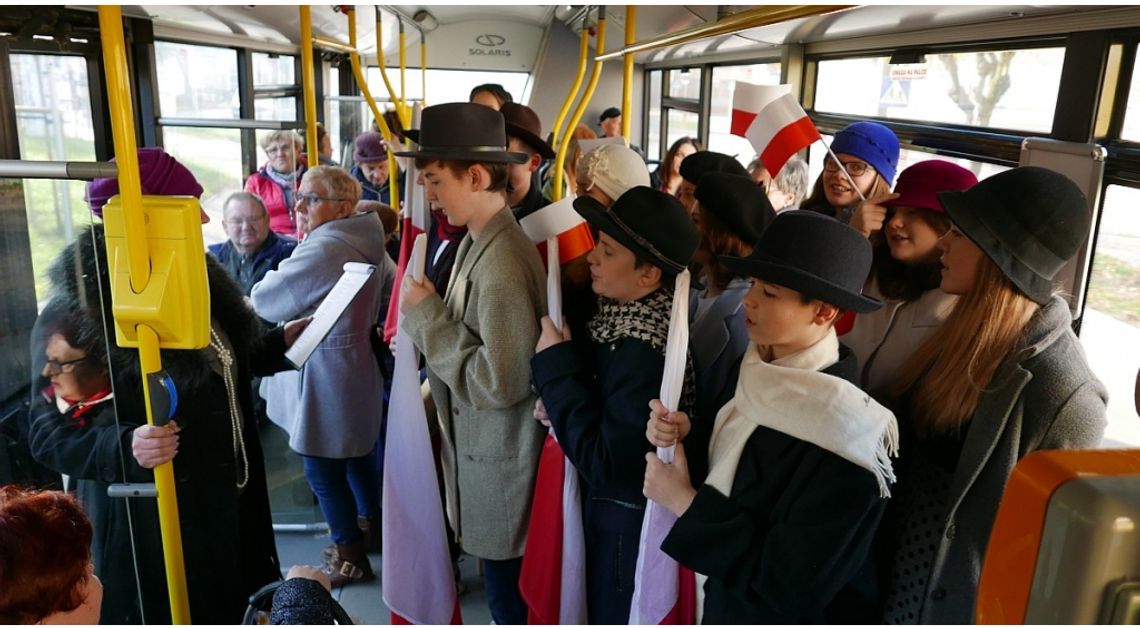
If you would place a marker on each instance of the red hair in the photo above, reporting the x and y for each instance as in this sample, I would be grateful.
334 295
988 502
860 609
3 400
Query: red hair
45 550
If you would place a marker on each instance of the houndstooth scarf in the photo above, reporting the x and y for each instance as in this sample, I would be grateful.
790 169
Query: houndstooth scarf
645 319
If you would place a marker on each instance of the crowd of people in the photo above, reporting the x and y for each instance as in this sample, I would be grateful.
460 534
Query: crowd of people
822 474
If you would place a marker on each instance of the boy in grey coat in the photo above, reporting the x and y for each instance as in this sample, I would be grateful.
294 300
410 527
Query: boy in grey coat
478 340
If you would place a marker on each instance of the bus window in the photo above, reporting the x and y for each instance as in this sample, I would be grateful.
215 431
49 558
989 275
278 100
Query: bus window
680 124
1131 129
272 74
653 149
1110 330
53 118
685 83
214 156
720 106
1005 89
196 81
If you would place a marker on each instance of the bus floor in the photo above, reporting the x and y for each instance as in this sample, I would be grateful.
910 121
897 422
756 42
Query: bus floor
364 601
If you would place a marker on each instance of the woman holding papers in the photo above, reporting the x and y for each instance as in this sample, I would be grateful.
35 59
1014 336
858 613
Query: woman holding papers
596 389
869 153
331 407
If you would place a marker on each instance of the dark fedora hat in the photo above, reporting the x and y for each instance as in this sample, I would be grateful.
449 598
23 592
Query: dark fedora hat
1028 220
463 131
813 254
737 202
610 112
696 165
649 222
523 123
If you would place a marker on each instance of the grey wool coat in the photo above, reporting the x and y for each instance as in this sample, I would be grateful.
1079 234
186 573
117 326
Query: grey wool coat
1044 396
478 342
331 406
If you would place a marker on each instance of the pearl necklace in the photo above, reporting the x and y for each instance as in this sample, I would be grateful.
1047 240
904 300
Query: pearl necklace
226 358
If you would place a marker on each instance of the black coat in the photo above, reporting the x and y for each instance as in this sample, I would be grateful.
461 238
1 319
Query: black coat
227 533
792 542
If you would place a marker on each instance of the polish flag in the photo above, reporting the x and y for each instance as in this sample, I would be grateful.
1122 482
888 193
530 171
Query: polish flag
553 577
416 221
663 591
773 121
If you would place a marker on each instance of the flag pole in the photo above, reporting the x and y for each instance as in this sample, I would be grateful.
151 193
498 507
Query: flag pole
843 169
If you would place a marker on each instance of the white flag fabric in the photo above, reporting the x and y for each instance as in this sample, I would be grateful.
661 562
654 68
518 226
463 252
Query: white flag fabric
657 579
417 579
772 120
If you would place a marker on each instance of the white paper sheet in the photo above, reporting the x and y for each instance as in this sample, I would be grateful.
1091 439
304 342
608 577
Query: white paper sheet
329 311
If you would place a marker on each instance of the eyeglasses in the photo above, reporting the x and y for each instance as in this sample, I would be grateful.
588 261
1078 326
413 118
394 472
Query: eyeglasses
312 199
854 168
273 150
55 367
241 222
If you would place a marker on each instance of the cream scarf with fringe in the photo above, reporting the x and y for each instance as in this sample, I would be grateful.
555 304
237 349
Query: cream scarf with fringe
790 395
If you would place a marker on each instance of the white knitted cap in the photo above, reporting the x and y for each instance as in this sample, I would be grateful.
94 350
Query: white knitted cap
614 168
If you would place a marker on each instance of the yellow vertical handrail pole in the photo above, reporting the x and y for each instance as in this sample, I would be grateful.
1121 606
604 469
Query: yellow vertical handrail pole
404 111
380 61
150 361
627 72
583 49
308 87
381 123
559 174
423 68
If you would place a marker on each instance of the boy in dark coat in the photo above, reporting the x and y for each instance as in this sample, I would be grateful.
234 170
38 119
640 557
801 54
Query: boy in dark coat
596 388
799 465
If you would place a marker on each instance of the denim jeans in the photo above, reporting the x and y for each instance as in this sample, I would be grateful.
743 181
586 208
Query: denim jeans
345 488
501 585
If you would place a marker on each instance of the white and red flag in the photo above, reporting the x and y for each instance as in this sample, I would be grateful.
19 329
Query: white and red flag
663 592
553 577
416 220
771 119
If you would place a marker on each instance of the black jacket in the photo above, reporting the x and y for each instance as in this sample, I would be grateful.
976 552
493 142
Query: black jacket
792 542
227 533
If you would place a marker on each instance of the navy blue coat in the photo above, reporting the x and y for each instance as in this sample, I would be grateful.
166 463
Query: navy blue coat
248 271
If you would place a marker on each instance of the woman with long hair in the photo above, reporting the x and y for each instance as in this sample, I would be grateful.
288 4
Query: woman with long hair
869 152
669 173
1003 377
906 275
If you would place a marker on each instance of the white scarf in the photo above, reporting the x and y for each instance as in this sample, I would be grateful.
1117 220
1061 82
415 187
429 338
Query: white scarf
791 396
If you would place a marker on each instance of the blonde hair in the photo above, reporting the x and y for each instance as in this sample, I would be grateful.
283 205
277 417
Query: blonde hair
949 372
336 181
282 135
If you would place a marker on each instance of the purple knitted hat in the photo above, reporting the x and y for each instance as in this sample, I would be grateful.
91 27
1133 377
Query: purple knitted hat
159 174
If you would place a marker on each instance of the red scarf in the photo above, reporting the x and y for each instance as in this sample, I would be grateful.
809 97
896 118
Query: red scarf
445 230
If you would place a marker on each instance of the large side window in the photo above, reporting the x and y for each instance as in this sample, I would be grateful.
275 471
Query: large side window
54 123
724 80
1001 89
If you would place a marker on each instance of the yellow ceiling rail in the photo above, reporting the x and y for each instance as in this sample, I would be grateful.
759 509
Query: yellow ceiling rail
308 87
354 58
138 257
583 49
380 61
402 109
627 72
559 174
751 18
332 45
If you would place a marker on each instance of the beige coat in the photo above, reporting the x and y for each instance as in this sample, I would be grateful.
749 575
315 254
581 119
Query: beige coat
884 339
478 342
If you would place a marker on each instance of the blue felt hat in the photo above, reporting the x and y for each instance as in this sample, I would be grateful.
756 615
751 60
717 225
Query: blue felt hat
871 142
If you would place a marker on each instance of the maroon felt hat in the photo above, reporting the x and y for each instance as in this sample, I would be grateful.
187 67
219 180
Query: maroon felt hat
369 148
919 185
159 174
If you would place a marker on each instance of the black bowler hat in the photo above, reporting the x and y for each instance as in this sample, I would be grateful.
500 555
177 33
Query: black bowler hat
649 222
523 123
1028 220
737 202
703 161
812 254
463 131
612 112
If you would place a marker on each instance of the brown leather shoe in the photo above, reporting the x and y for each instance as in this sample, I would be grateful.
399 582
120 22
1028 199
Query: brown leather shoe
348 564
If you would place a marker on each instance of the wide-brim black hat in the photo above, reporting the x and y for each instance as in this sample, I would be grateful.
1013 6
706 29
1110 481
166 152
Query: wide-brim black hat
462 131
737 202
702 162
815 255
648 222
523 123
1029 221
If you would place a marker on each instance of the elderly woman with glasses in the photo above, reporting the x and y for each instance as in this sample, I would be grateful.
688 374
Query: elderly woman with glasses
277 181
331 407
